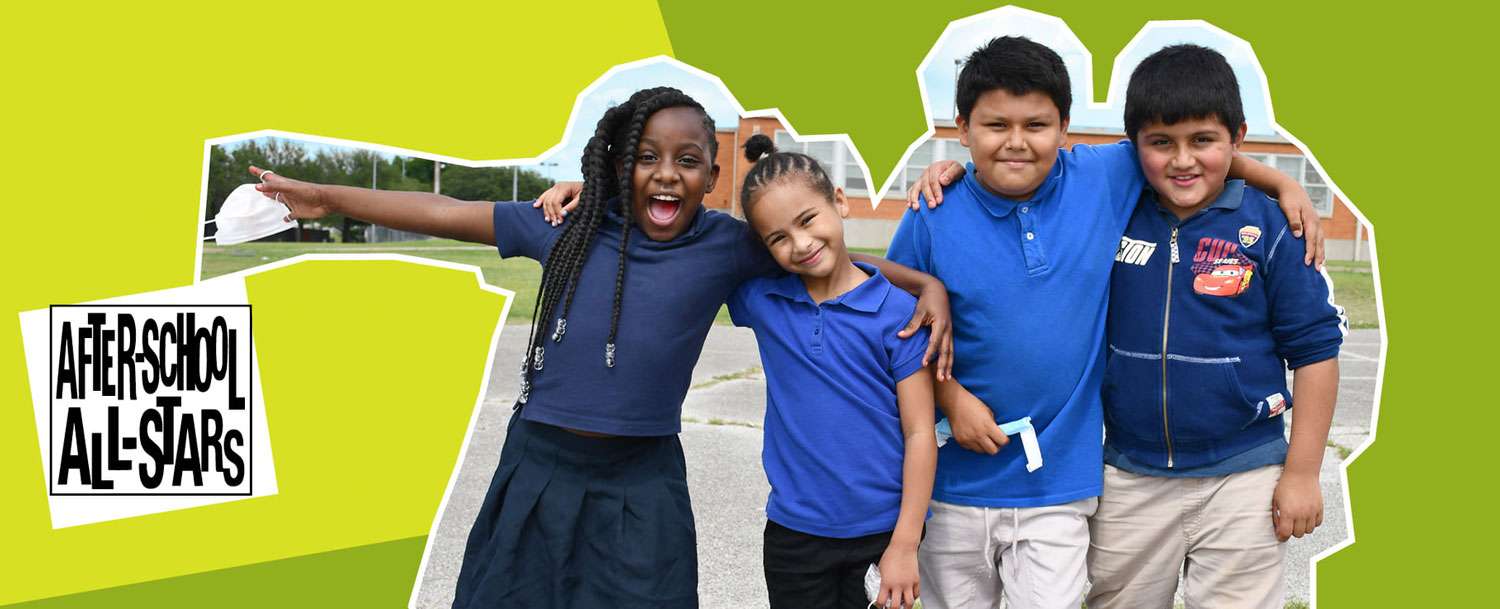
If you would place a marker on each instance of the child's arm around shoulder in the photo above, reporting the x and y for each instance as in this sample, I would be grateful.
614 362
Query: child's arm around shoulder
1292 198
899 581
426 213
932 309
930 184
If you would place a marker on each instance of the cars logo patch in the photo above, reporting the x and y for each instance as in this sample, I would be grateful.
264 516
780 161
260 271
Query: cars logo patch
1249 235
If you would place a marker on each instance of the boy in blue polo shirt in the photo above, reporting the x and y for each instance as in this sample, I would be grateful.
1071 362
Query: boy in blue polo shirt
1024 243
1209 306
849 440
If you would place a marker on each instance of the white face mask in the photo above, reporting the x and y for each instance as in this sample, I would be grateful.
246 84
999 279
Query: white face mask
248 215
872 590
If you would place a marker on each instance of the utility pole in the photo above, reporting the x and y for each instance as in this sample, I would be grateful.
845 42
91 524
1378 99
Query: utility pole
515 183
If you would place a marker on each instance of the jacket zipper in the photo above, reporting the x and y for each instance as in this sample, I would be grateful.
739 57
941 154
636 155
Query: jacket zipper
1166 319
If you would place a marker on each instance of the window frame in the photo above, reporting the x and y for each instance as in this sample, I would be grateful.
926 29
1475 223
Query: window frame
837 168
1271 158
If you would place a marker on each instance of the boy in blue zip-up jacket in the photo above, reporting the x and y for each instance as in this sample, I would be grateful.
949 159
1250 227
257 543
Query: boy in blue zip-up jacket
1210 304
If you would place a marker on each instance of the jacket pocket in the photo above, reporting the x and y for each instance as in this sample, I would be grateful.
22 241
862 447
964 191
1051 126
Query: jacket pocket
1205 401
1132 394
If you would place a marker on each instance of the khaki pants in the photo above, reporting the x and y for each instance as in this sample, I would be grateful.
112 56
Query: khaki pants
1033 556
1215 532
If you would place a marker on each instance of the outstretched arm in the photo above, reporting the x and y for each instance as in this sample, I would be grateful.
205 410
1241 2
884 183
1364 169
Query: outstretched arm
420 212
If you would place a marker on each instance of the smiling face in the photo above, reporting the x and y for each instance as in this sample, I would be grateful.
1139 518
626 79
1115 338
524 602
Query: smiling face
1013 140
803 230
673 169
1187 162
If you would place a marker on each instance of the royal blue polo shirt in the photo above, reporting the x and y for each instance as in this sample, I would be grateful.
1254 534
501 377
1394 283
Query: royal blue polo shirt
833 443
1028 283
672 293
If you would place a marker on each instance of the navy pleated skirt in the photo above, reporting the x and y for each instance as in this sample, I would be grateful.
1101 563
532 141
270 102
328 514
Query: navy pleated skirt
571 522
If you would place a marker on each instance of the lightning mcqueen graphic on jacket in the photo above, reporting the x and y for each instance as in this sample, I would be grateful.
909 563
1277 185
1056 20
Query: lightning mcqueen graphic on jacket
1227 277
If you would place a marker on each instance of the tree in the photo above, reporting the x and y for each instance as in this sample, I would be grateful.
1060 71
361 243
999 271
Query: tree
229 167
491 183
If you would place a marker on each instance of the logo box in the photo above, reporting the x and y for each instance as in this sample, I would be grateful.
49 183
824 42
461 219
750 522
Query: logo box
150 400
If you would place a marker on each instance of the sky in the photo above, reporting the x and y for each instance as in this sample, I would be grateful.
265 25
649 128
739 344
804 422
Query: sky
938 74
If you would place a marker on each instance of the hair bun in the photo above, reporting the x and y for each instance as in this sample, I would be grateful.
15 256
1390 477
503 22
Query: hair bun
757 146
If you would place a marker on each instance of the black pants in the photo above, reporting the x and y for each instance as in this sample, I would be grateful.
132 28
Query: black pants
811 572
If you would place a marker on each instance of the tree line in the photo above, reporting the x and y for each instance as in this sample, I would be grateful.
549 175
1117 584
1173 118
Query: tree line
229 167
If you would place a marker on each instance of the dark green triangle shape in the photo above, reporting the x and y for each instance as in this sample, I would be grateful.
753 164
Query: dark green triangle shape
376 575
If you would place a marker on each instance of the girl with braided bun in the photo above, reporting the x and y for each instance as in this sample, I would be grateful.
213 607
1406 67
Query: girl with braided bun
850 448
589 505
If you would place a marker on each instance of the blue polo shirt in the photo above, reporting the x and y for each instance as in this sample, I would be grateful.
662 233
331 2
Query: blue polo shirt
833 443
1028 283
672 293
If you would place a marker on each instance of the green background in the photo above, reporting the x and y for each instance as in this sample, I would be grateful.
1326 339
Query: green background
1394 103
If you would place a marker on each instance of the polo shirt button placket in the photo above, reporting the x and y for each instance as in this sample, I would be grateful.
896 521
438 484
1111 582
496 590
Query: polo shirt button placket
817 340
1030 246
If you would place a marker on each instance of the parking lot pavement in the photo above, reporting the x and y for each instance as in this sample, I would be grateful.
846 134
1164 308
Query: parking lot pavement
722 438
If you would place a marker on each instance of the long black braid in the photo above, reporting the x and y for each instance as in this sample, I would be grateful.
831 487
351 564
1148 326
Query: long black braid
614 143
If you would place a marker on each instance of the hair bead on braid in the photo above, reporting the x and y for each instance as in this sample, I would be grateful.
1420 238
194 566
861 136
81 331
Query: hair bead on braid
614 143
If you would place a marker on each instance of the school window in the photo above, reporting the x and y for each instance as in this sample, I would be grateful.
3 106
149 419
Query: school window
929 152
1298 167
841 165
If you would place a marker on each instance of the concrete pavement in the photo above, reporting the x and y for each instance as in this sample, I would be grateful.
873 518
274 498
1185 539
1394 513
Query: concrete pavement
722 438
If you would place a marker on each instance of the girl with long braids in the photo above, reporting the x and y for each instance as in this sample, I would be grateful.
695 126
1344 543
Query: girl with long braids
589 505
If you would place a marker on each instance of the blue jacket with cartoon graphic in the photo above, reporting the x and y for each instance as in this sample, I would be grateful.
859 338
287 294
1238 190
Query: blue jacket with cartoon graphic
1205 316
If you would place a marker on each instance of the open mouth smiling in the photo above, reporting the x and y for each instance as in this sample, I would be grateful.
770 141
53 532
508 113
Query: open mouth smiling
662 208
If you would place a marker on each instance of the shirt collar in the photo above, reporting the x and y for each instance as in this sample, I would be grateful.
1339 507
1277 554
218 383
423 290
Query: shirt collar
999 206
866 297
1229 198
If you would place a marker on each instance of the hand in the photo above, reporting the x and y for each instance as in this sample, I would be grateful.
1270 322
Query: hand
932 310
1296 506
552 201
305 200
900 583
973 423
931 183
1302 218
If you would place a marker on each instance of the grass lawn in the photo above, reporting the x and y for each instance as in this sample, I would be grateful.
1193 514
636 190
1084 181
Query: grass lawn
1354 289
521 275
1354 286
